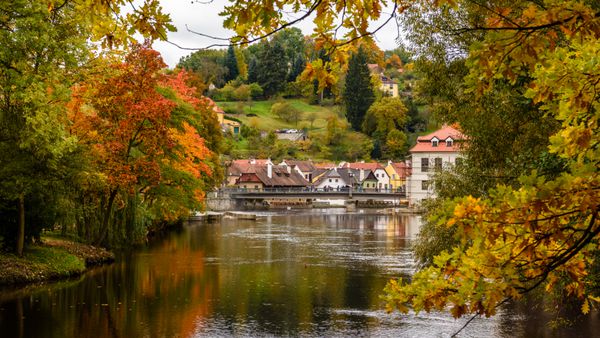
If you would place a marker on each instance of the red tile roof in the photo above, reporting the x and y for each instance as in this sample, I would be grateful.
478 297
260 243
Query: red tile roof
215 108
280 177
402 169
325 165
237 167
365 166
424 143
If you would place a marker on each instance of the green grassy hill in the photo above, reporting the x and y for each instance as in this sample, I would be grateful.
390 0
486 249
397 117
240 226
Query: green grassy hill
258 114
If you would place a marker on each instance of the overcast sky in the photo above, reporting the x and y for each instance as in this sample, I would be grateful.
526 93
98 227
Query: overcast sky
204 18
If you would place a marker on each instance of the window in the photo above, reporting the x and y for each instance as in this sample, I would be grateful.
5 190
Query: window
256 187
330 180
424 165
394 176
438 163
424 185
434 143
449 143
336 180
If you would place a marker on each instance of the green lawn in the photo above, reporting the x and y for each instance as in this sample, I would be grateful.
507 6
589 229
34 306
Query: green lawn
265 121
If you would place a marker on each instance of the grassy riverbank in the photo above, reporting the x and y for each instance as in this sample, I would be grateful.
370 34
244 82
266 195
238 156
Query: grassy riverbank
54 259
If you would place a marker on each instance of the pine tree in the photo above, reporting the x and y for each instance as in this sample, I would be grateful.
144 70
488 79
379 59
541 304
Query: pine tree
273 69
231 64
358 93
298 65
253 70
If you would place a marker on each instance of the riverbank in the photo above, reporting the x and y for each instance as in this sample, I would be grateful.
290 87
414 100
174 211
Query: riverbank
52 260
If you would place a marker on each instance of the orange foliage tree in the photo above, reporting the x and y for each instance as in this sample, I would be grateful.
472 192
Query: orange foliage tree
129 119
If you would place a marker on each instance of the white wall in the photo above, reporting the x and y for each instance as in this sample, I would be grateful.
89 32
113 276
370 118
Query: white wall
414 184
333 184
383 180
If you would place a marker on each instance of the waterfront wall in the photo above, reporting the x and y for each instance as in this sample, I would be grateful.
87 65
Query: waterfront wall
219 201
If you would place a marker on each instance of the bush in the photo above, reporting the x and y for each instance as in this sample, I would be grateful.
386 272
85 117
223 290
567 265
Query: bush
223 94
256 91
285 111
294 89
231 110
242 93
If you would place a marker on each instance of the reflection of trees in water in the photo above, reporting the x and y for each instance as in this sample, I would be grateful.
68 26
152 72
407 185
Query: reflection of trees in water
313 274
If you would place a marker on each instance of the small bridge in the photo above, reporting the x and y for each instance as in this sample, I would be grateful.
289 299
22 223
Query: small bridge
309 198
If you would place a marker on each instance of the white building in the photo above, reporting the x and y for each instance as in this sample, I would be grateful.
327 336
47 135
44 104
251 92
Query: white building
378 170
332 180
435 151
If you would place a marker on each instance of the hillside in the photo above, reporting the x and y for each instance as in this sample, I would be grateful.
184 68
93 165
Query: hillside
258 114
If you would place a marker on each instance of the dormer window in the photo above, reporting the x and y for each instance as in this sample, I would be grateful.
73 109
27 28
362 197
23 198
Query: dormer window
434 143
449 142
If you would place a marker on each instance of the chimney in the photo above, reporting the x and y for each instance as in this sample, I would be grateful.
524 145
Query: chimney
389 162
269 170
361 175
252 161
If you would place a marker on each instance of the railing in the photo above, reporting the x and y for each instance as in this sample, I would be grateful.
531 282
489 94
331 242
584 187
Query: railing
310 190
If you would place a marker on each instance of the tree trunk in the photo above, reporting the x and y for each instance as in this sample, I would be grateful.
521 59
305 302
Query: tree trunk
106 218
21 230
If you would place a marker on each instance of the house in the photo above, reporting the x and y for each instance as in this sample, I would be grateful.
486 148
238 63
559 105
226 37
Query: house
236 168
388 86
269 176
435 151
233 126
370 182
335 179
305 168
225 123
383 179
398 173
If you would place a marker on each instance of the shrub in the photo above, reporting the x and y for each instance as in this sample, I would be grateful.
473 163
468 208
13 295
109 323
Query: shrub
242 93
256 91
285 111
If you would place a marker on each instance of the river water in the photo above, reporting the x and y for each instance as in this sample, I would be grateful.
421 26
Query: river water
309 273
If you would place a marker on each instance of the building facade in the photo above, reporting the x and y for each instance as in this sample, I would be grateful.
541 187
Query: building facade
436 151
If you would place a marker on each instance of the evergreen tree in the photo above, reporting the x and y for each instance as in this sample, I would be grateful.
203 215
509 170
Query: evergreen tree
231 65
298 65
253 70
273 69
358 92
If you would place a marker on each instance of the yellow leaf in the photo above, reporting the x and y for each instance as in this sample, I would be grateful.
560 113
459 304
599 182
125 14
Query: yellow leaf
585 308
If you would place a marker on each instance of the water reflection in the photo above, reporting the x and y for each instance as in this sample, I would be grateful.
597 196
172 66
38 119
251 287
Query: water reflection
316 273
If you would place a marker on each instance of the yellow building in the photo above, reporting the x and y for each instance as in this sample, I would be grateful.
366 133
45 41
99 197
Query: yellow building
398 173
226 124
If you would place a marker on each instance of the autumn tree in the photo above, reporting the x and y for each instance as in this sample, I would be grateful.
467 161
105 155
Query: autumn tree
358 92
142 142
384 117
44 46
541 228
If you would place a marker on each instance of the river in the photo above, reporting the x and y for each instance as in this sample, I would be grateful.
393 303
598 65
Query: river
304 273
